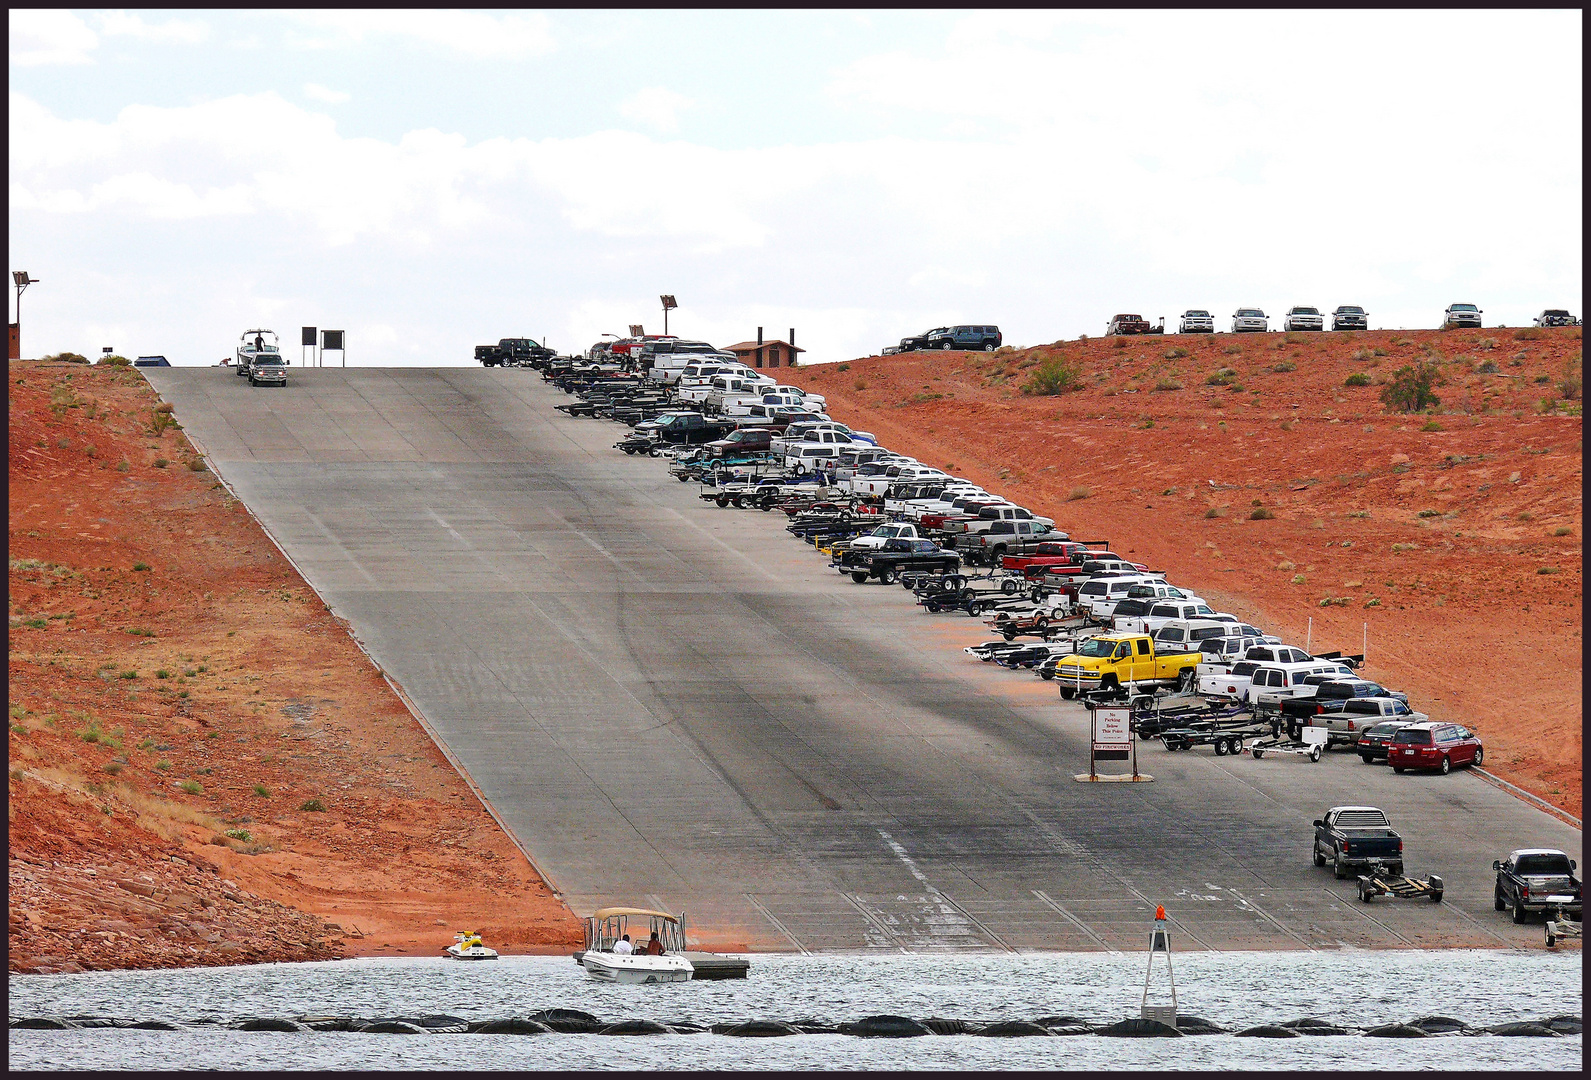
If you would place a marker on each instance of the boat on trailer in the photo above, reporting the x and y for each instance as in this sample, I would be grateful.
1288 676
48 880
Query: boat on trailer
254 343
608 927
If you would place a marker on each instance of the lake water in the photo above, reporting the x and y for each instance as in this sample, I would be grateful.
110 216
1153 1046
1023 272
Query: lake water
1234 990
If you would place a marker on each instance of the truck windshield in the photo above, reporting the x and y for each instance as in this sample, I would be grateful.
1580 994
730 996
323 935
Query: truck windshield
1096 647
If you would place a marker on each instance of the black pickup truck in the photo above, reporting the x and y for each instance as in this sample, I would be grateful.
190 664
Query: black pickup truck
895 557
1330 690
1350 836
512 352
685 428
1536 879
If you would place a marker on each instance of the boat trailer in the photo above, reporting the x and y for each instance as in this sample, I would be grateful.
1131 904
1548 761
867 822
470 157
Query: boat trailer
1380 883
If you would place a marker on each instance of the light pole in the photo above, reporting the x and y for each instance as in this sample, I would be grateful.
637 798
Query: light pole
668 306
22 281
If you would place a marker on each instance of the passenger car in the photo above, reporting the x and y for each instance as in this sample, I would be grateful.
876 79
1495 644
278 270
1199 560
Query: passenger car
1434 746
1303 318
151 361
1195 321
1535 879
1350 317
1555 317
1377 738
1458 316
986 338
1249 320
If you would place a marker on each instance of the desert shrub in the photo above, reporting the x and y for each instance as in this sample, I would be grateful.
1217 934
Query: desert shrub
124 465
1358 378
1527 333
1284 367
312 806
262 791
1215 512
1121 343
843 367
1056 375
1487 343
1563 530
140 566
65 358
1168 384
192 787
196 465
1549 570
1412 388
1223 377
1487 367
160 463
110 361
1543 379
1261 513
239 834
1430 513
1232 350
1569 385
1430 425
1176 352
1079 493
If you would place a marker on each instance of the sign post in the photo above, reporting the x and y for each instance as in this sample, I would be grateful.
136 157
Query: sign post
332 341
1110 738
306 340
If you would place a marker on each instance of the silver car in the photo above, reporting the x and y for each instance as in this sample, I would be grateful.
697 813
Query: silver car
1196 322
1350 317
1249 320
1303 318
1461 315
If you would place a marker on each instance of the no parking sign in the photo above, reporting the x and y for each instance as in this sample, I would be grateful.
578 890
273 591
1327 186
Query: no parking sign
1110 738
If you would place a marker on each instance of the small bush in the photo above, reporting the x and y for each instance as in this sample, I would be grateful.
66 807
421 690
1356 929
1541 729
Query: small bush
1358 378
1232 350
1563 530
196 465
313 806
1411 389
1215 512
192 787
160 463
1488 343
140 566
162 764
1079 493
1431 425
1223 377
239 834
1167 384
1056 375
130 674
1487 367
1261 513
1549 570
1430 513
124 465
1120 343
1527 333
1398 549
1284 367
1543 379
262 791
162 674
1373 602
843 367
1298 579
1176 353
112 767
1569 385
69 358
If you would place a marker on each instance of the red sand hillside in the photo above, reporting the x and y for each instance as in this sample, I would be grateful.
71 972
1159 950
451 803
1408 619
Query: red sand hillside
1454 535
204 767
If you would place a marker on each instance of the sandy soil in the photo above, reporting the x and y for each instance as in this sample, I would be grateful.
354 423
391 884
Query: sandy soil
1451 542
204 767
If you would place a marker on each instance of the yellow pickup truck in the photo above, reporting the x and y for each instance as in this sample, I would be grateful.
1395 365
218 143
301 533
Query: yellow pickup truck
1116 660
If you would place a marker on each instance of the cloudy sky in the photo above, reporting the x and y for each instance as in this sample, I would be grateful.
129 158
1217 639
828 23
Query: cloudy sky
430 181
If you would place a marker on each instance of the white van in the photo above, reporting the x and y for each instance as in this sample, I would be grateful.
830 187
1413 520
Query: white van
1185 635
809 457
1100 595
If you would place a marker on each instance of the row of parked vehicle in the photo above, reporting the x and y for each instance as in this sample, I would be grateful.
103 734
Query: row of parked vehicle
1245 320
1099 625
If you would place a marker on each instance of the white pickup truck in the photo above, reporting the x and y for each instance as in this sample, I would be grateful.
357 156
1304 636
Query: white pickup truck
874 541
1226 674
1159 614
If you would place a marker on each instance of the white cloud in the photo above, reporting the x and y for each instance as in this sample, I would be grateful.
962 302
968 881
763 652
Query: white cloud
657 107
175 31
49 37
317 92
473 33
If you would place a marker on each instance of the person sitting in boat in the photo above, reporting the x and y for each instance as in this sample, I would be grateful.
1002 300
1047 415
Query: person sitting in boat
623 946
655 946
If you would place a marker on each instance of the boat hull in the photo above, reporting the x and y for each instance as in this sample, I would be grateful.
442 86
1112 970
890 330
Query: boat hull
636 970
474 952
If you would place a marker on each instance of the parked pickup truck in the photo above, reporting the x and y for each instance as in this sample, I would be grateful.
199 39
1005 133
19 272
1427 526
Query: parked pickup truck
1049 553
989 515
1535 879
897 556
684 428
874 541
747 440
1132 324
1350 836
1111 661
1344 720
992 545
962 510
1301 694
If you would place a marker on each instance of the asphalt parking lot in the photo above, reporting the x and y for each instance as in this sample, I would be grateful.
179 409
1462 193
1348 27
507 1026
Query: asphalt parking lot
675 704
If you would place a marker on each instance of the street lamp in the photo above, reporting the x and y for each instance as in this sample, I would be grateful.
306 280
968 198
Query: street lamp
22 282
668 306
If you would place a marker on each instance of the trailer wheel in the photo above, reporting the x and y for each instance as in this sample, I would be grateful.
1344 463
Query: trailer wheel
1008 586
722 500
1041 624
1436 896
1220 748
1314 753
1009 635
654 452
1364 894
1046 675
974 608
766 504
1258 753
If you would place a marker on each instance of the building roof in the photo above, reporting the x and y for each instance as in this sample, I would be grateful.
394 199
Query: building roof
752 346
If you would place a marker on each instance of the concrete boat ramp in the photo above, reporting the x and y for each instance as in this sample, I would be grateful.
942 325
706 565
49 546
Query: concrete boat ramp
676 705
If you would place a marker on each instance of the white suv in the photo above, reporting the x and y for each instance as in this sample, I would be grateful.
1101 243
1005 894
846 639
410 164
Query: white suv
1457 315
1196 322
1249 320
1303 318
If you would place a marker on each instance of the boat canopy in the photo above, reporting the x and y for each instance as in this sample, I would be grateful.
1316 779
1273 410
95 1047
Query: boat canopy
609 912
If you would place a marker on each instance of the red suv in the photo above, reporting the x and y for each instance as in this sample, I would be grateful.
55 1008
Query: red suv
1434 746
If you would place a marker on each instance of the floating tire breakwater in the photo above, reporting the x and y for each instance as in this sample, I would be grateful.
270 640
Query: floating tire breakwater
883 1026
